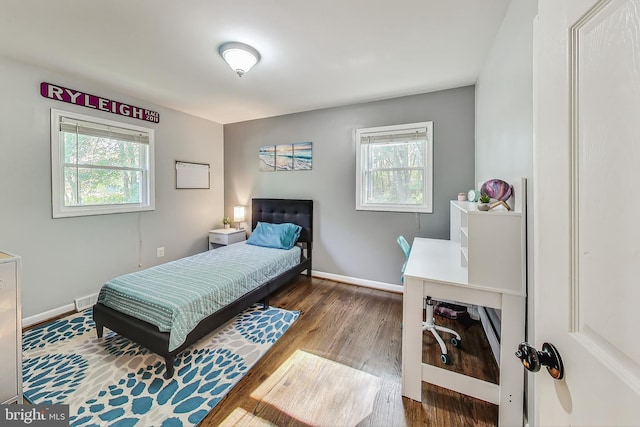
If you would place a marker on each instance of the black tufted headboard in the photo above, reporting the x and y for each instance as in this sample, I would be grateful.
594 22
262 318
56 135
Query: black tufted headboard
278 211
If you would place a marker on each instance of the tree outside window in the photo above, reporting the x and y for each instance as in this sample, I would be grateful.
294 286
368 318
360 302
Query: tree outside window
394 166
101 167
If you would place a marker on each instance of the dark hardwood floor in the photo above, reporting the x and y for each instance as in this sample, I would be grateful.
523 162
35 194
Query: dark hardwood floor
348 340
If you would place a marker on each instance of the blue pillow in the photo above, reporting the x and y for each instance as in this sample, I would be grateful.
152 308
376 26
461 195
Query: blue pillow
279 236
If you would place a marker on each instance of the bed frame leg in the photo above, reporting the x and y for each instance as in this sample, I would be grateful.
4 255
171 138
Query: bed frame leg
99 330
265 303
168 363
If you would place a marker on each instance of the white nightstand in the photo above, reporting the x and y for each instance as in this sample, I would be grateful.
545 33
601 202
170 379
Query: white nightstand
225 236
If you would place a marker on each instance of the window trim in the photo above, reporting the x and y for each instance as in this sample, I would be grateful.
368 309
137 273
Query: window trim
427 205
59 210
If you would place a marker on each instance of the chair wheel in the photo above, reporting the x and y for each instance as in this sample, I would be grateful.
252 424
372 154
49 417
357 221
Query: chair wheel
455 341
445 359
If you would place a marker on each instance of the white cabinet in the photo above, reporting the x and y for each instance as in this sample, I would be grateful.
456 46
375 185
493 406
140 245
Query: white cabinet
225 236
491 246
10 329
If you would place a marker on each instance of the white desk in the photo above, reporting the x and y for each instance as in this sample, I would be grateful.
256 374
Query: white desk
434 270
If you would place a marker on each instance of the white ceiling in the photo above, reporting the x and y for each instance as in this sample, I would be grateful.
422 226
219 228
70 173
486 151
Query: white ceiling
315 53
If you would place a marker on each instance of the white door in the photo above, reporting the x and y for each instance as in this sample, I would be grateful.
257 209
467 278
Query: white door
587 210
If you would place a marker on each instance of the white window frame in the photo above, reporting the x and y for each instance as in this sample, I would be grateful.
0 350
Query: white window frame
59 210
362 168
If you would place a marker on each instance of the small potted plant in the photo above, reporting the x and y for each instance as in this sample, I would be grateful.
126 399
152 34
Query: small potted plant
484 203
226 221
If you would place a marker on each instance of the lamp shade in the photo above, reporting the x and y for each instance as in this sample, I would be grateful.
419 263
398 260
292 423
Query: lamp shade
238 213
240 57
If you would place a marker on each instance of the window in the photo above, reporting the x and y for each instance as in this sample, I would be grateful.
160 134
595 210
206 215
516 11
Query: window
394 168
99 166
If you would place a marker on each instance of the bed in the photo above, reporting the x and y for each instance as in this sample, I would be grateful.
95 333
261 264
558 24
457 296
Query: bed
130 323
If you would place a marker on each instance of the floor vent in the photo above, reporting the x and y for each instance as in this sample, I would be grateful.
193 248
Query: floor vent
86 302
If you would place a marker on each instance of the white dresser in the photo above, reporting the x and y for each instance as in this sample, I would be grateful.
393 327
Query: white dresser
10 329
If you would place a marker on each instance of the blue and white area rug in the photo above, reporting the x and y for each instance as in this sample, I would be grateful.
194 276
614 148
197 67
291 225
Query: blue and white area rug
113 381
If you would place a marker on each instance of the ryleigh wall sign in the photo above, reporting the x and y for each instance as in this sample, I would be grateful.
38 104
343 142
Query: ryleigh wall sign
76 97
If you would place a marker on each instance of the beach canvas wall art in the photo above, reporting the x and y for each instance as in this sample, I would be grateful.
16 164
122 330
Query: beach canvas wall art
267 158
286 157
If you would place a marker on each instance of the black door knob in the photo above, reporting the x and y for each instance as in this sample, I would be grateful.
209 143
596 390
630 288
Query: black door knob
533 359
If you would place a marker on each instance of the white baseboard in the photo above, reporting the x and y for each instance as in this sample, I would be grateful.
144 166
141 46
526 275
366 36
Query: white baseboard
32 320
359 282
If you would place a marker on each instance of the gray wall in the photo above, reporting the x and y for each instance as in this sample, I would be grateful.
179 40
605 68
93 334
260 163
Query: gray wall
71 257
355 244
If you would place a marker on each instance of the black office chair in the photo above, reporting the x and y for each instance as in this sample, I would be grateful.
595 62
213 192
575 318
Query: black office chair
429 324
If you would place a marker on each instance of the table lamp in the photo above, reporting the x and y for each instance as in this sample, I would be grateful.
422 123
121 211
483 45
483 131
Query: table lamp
238 215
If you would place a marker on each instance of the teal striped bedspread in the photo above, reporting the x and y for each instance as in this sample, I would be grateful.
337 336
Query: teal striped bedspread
177 295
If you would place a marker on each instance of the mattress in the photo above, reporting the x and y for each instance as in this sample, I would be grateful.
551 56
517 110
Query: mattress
177 295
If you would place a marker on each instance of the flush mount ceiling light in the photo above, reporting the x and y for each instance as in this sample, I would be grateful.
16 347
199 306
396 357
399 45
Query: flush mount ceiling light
240 57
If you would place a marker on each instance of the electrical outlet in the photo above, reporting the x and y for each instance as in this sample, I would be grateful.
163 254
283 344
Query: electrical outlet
160 252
